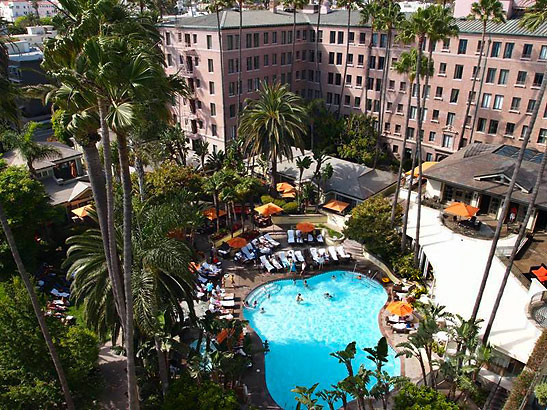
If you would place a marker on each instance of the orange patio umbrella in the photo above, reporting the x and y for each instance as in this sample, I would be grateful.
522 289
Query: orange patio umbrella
305 226
82 211
268 209
400 308
211 213
335 205
541 273
237 242
461 209
284 187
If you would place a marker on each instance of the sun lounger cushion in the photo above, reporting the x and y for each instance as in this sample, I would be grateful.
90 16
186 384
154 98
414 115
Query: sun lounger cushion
290 236
319 238
342 252
299 256
227 303
332 253
271 240
276 263
266 264
283 259
299 238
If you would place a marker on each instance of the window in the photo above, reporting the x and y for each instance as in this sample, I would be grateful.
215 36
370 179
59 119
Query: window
502 79
530 107
496 48
454 95
250 85
479 47
508 51
410 133
256 39
515 104
498 102
213 108
331 58
362 38
338 79
446 44
389 107
359 81
338 58
509 129
211 88
283 58
266 60
360 60
372 62
521 78
435 116
209 42
169 60
256 61
391 85
230 42
266 38
194 38
523 131
348 79
527 51
210 65
543 53
413 111
351 38
402 86
493 126
485 102
542 138
398 129
481 125
347 100
381 62
458 72
167 39
249 63
442 69
383 40
357 102
305 35
274 37
232 111
274 59
350 59
387 127
329 98
447 141
538 79
429 156
462 46
399 108
431 136
179 37
450 117
332 38
491 75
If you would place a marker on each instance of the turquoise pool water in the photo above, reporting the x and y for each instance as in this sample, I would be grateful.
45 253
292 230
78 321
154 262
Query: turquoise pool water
301 335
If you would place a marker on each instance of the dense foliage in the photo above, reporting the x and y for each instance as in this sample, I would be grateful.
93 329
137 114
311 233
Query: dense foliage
370 224
403 267
169 178
185 393
358 139
412 397
27 376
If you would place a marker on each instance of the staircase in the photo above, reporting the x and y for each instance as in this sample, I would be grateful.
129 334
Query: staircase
496 399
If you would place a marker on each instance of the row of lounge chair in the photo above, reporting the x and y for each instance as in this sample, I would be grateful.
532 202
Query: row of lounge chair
208 271
298 237
262 245
310 257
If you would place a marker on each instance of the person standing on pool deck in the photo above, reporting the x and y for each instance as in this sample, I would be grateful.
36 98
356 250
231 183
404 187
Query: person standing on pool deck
293 266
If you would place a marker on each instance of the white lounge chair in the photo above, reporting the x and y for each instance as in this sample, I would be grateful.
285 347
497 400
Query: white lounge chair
299 238
266 264
318 259
342 252
276 263
299 256
319 238
290 236
291 255
311 239
227 303
248 251
283 259
332 253
271 240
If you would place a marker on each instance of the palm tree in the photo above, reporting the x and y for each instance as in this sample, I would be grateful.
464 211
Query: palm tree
213 186
485 11
368 14
406 65
30 150
533 18
389 19
215 161
272 124
346 356
304 397
330 396
349 5
302 163
317 29
316 109
201 149
294 5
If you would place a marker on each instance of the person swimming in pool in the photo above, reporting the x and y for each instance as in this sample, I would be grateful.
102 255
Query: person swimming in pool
299 298
333 277
262 310
255 304
327 295
359 277
306 283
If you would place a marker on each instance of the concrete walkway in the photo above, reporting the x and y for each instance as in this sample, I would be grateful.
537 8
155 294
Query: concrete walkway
113 369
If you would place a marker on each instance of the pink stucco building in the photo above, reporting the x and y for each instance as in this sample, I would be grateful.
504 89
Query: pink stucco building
516 61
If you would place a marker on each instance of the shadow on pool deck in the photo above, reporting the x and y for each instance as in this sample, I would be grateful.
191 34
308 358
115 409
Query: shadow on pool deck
247 279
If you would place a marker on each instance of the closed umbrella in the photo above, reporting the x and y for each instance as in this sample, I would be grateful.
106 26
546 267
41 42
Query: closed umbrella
400 308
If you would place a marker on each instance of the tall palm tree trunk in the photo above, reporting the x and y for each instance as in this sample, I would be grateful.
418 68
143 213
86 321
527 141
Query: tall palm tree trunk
529 211
385 77
506 204
367 70
469 99
479 94
221 51
139 170
317 71
240 64
217 209
37 309
162 366
108 231
127 271
419 155
345 62
293 58
400 172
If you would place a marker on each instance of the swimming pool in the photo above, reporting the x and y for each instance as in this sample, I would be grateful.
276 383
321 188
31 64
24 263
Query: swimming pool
301 335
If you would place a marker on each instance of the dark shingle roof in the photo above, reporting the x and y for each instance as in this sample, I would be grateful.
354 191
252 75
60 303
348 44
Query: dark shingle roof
336 18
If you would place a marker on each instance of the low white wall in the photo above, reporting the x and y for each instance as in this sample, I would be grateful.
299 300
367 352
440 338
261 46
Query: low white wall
433 188
383 267
294 219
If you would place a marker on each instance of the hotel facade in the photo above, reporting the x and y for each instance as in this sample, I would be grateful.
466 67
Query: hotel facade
516 61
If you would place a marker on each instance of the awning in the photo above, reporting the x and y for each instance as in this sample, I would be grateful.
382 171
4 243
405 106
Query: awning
284 186
82 211
335 205
461 209
211 213
289 194
268 209
425 166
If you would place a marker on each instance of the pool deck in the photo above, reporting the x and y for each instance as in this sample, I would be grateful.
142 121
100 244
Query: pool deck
247 278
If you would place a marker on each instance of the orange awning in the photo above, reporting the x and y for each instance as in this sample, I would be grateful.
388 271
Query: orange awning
425 166
211 213
284 187
305 226
82 211
461 209
335 205
400 308
268 209
289 194
237 242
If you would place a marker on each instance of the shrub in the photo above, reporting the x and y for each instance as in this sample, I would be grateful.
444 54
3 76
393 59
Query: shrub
279 202
290 208
404 267
185 393
519 390
541 393
265 199
412 397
